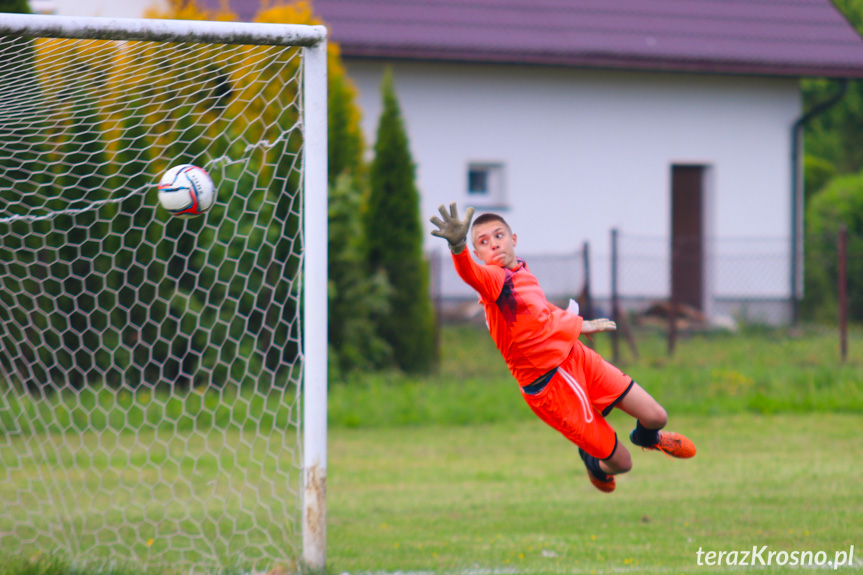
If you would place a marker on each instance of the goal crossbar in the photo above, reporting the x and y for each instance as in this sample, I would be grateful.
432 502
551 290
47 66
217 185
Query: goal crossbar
157 30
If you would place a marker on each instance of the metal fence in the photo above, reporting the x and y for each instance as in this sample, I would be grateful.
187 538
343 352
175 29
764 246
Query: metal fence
742 279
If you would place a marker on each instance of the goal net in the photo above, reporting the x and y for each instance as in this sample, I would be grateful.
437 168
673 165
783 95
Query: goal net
151 366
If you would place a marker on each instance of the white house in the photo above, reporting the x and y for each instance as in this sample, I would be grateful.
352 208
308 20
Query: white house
568 154
674 122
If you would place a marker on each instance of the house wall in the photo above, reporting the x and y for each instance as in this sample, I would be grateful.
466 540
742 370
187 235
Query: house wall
586 151
101 8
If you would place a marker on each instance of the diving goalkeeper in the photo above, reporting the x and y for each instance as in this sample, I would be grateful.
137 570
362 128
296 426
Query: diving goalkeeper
567 384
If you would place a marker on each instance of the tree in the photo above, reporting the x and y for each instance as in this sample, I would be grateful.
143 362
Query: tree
344 137
81 180
22 127
836 136
357 299
833 186
15 6
841 202
394 235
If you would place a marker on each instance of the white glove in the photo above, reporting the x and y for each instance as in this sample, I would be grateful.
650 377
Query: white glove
572 307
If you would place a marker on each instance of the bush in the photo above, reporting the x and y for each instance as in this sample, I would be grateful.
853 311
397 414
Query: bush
840 202
356 299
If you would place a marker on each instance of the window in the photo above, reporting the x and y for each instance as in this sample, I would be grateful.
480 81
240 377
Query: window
477 181
485 185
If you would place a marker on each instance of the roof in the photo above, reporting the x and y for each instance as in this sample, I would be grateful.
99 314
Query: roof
766 37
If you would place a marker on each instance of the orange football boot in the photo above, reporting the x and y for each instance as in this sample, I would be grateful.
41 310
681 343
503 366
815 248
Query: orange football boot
606 486
674 444
606 483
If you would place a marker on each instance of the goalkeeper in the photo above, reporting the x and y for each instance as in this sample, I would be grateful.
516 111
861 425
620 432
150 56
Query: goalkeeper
568 385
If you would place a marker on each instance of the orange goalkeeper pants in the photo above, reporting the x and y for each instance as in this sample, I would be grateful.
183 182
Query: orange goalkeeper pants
575 397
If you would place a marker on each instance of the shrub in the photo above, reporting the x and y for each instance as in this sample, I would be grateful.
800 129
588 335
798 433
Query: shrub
394 235
840 202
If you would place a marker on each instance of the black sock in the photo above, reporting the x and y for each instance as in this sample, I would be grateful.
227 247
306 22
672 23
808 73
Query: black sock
592 464
644 437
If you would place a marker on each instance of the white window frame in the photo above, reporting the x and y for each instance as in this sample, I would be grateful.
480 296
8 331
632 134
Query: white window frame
496 194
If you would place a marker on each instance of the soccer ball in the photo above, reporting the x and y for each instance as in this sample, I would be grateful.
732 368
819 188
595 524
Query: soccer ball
187 190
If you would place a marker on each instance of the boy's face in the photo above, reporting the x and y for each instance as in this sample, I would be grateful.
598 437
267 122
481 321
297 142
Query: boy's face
495 244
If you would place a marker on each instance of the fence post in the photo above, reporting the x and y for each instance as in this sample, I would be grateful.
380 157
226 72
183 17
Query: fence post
615 303
588 299
672 323
843 291
672 303
436 271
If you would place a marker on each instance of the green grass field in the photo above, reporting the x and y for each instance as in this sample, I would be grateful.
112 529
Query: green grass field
451 473
514 498
757 371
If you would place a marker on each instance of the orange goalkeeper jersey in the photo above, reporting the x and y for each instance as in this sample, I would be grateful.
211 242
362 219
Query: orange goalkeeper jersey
533 335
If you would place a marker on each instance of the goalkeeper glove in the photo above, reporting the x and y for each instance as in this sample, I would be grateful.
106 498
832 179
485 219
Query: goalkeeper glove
597 325
451 228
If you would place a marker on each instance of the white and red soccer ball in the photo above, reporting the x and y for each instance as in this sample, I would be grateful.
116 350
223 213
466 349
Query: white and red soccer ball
187 190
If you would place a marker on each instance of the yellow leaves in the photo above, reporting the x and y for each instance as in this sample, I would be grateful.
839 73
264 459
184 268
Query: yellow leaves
229 101
279 12
190 10
275 12
87 62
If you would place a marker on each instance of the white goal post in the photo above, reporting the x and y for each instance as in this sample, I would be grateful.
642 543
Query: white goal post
114 351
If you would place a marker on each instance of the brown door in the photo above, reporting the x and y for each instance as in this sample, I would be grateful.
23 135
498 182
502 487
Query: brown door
687 241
